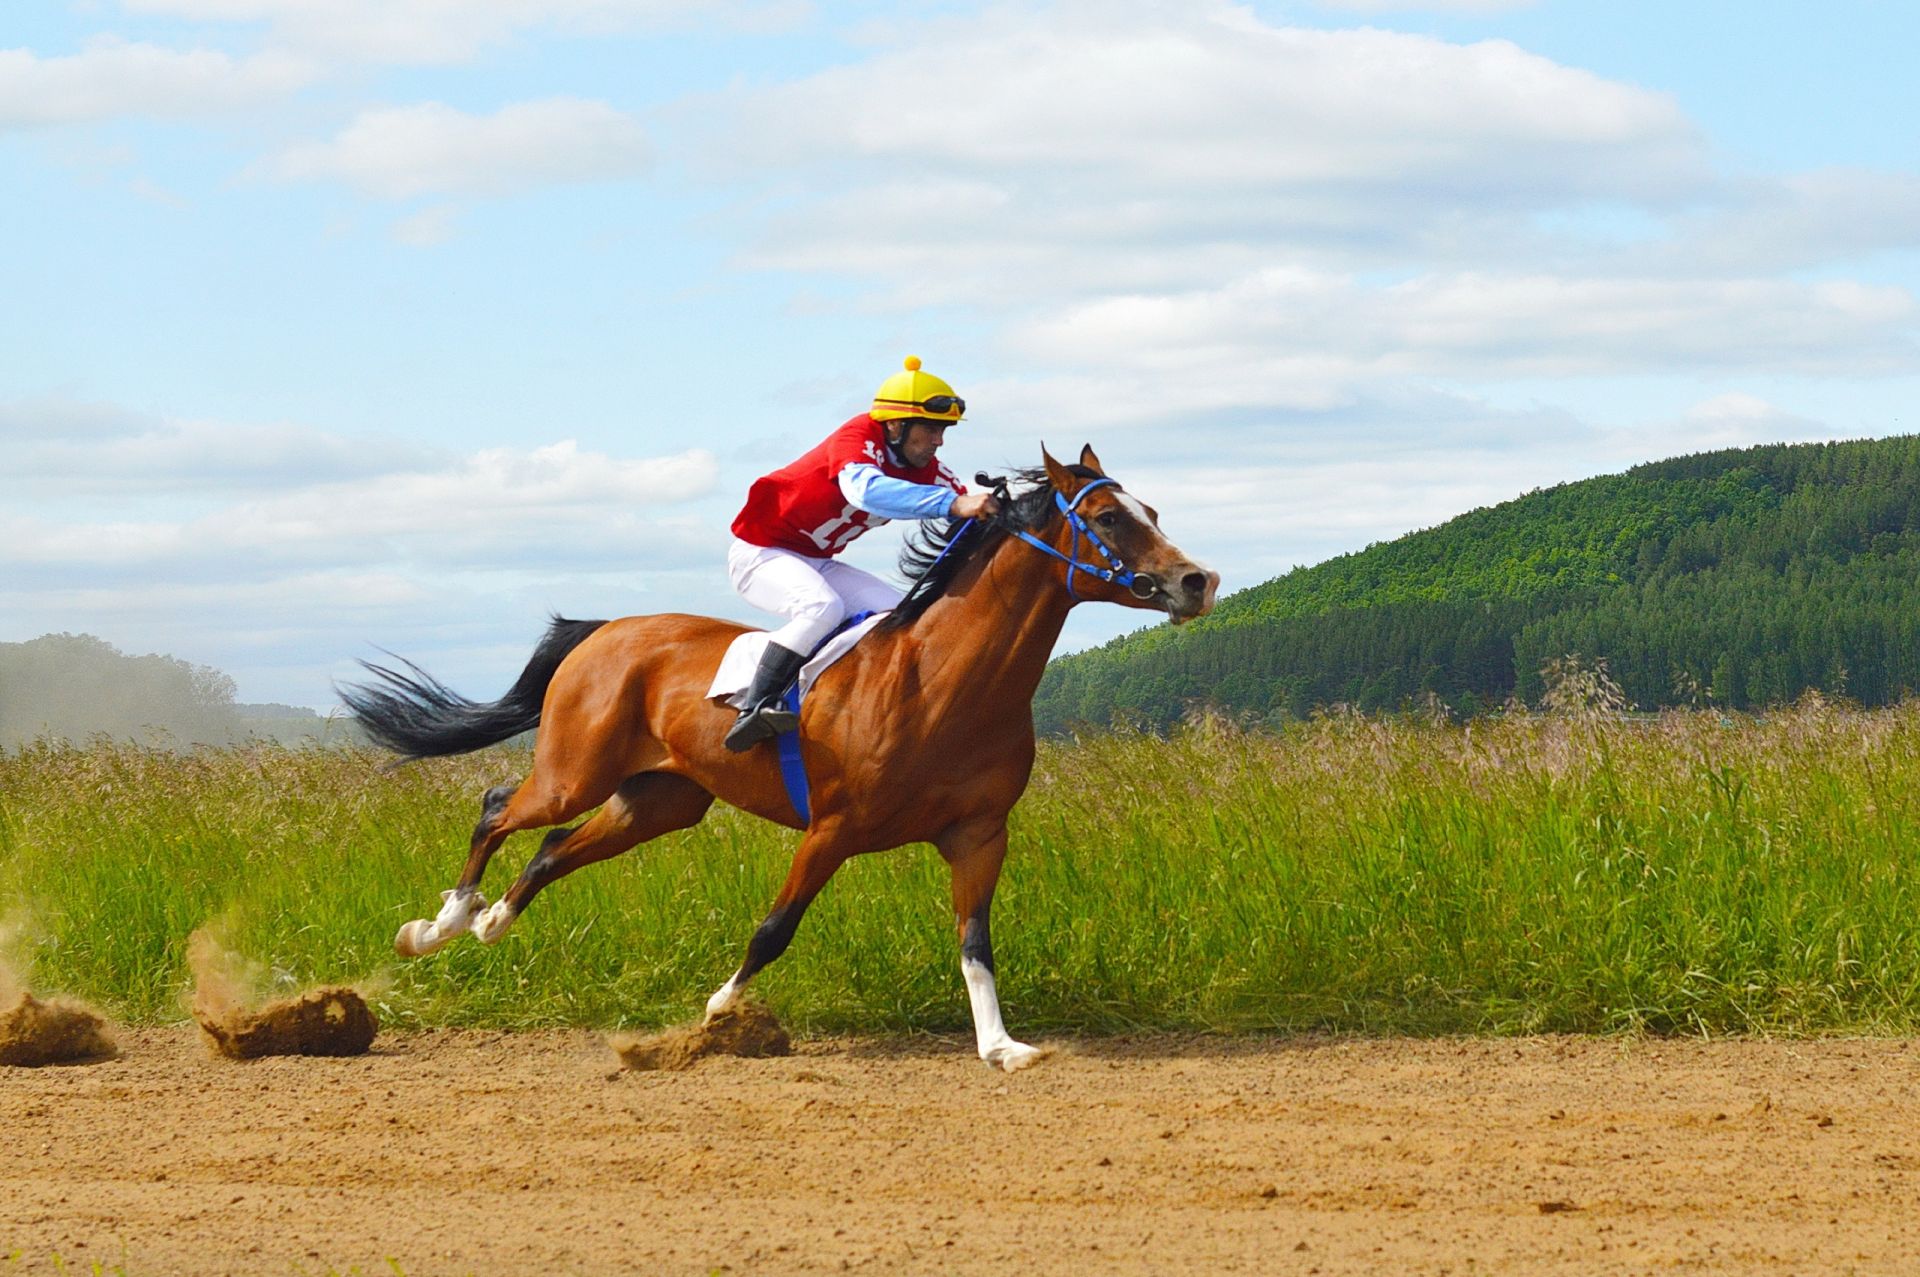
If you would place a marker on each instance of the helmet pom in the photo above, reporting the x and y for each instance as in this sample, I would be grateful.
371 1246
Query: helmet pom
913 363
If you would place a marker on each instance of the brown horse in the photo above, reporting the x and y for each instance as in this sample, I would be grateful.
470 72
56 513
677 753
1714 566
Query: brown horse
922 733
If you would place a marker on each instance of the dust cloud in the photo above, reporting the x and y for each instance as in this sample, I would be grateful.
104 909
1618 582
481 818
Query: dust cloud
34 1032
747 1030
331 1020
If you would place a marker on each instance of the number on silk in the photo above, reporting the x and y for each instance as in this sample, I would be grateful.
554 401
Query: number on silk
837 533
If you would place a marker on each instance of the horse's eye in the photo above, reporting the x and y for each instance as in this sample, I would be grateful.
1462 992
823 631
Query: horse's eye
1107 519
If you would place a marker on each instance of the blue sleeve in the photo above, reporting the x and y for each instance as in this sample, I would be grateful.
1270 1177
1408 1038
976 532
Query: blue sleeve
891 498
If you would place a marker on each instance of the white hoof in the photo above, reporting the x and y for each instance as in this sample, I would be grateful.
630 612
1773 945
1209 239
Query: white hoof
413 940
420 937
491 925
1014 1056
723 999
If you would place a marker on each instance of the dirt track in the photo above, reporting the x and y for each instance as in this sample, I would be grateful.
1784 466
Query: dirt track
491 1153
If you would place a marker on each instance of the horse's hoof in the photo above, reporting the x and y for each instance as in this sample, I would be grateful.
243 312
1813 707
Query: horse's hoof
488 927
415 940
722 1000
1015 1056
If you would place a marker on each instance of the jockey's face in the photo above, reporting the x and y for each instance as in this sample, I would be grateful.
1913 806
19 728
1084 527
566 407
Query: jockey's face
919 440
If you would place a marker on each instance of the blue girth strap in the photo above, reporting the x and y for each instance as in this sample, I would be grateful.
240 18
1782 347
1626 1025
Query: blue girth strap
792 771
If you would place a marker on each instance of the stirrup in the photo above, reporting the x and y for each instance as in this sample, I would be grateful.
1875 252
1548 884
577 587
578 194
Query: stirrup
766 713
762 722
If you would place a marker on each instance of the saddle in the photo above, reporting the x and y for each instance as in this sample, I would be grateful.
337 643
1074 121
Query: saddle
742 658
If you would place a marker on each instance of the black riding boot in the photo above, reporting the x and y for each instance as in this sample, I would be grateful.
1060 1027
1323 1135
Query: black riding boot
764 715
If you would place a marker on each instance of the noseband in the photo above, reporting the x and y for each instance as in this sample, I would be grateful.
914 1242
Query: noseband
1139 584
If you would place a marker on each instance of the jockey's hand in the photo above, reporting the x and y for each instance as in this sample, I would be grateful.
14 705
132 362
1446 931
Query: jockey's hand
973 505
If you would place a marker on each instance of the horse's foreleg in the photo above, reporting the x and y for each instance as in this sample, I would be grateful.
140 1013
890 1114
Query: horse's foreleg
975 856
643 808
464 901
821 853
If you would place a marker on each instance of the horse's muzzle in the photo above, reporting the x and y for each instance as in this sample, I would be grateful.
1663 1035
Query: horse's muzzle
1192 597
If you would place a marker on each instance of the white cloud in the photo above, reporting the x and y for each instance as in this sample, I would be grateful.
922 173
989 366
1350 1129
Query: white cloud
1301 339
427 32
112 499
431 148
1128 140
1737 409
495 493
1540 325
1733 419
1214 212
76 452
499 506
1113 96
113 78
1808 219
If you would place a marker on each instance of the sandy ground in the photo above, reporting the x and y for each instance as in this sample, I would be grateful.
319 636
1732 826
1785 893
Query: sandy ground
531 1153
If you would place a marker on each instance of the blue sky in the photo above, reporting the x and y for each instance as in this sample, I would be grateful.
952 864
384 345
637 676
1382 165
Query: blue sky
341 323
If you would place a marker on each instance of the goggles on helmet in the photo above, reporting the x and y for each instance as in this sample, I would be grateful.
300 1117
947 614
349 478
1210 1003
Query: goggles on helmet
938 405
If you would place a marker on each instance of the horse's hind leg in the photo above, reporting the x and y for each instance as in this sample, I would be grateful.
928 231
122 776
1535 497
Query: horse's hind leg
547 797
464 901
643 808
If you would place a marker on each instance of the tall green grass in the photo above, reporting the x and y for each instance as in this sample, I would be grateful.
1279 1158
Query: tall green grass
1689 873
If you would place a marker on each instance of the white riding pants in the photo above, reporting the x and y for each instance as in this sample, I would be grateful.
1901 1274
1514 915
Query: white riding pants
815 595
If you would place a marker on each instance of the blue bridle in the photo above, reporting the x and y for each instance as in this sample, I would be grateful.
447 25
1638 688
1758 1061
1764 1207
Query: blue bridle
1116 571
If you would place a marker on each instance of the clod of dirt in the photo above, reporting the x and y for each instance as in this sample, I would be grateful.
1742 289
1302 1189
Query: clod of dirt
333 1020
748 1030
328 1021
33 1032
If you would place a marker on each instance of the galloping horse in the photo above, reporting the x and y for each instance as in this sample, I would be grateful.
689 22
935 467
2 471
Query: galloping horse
922 733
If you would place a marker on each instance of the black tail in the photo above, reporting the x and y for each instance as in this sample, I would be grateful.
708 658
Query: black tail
417 715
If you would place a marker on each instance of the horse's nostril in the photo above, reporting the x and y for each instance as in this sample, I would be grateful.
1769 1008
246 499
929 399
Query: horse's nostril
1194 582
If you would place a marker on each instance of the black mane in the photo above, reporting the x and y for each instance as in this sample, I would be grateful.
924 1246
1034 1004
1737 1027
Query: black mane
931 574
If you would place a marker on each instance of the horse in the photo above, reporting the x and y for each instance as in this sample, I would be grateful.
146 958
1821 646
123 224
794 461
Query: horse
923 732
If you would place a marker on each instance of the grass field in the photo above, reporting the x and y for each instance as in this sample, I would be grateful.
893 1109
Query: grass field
1688 873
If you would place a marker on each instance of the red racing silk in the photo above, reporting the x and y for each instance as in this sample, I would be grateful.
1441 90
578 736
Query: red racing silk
801 508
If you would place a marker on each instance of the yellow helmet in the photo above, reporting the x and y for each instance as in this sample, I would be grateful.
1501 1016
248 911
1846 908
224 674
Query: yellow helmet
916 394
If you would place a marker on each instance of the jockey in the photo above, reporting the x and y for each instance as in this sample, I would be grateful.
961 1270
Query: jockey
879 466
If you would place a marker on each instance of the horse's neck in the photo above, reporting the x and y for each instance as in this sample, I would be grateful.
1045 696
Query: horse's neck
988 638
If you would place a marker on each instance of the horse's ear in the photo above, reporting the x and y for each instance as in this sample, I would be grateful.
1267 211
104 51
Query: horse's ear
1090 461
1064 481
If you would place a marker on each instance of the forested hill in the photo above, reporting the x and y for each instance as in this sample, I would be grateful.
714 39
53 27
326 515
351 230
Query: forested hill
1737 578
